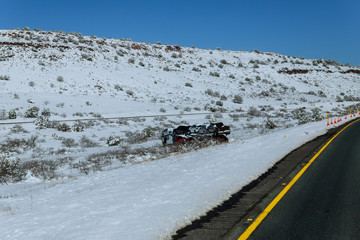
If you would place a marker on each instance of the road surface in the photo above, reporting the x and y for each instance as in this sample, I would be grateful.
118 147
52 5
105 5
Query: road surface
325 202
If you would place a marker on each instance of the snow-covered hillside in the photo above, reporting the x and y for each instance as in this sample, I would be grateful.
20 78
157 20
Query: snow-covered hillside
48 75
119 77
75 76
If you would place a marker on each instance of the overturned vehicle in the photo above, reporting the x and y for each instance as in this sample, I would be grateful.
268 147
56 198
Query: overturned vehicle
183 134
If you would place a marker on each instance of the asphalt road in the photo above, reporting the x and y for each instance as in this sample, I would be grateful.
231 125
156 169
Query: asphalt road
325 201
323 204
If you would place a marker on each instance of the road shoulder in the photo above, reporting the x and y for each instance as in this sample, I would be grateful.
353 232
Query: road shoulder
233 216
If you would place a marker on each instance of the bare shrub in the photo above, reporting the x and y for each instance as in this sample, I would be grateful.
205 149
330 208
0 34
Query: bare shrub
64 127
122 121
86 57
42 122
219 103
78 127
53 124
235 117
321 94
60 105
60 79
264 94
131 60
302 99
238 99
96 162
17 128
223 98
121 53
117 87
311 93
4 77
32 112
214 74
113 140
269 124
136 137
138 119
40 169
12 114
301 115
3 115
254 112
339 99
351 98
86 142
212 93
223 61
129 92
78 114
69 142
218 115
18 145
317 114
9 169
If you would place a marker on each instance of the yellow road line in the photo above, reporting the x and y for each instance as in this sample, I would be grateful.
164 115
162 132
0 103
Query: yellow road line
245 235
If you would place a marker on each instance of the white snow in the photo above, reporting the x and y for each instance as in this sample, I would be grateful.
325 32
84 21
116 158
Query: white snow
148 196
143 201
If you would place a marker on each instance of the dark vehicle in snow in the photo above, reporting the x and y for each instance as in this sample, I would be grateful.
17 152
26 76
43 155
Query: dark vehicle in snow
182 130
194 128
203 129
198 133
166 132
218 128
173 139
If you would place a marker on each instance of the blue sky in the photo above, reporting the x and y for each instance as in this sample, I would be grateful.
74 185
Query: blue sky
326 29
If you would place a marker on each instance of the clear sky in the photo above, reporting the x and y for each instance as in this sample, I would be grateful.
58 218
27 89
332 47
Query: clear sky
326 29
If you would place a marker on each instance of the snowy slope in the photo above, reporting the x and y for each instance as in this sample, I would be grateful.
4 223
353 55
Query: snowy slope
146 191
143 201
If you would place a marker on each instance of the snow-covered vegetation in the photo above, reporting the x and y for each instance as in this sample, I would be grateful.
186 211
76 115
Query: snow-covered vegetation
50 75
71 105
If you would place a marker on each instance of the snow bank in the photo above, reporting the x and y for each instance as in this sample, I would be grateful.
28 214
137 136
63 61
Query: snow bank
144 201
